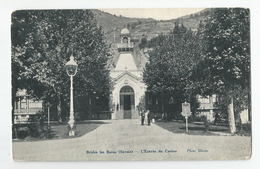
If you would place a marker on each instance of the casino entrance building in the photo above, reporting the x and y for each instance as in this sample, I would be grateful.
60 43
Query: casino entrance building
127 77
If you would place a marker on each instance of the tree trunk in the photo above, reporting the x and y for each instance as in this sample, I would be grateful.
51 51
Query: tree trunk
163 106
59 111
90 113
231 117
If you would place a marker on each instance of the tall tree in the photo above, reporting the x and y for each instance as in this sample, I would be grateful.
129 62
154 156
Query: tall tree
170 66
21 32
228 56
53 36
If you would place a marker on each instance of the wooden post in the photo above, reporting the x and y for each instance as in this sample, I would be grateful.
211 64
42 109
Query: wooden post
90 109
19 105
48 115
186 117
27 104
48 127
241 129
59 111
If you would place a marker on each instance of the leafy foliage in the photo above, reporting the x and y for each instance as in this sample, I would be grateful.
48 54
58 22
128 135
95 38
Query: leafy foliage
228 56
169 70
43 41
143 43
213 60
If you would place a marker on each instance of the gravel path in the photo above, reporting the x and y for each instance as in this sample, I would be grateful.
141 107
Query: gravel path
128 140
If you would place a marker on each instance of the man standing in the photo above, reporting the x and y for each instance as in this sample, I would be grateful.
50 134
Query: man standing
142 117
216 120
148 117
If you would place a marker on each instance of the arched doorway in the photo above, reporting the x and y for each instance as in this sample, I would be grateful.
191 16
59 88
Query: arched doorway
125 40
127 102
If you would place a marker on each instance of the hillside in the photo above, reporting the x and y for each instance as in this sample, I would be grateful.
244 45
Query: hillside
109 22
139 26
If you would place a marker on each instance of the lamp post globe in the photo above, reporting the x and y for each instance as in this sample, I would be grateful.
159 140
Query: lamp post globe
71 69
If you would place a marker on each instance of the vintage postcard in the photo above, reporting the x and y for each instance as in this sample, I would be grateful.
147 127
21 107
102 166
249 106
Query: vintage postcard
169 84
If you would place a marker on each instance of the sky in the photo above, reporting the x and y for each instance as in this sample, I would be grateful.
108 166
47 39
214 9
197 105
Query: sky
155 13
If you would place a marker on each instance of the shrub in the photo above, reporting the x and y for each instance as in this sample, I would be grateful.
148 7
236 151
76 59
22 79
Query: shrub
37 127
206 123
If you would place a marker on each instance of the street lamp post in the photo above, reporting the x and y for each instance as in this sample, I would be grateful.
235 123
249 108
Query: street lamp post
71 69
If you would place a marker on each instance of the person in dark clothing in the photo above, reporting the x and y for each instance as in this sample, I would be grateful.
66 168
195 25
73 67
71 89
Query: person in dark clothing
216 119
142 117
148 117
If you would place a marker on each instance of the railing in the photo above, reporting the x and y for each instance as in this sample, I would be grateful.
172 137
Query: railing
125 45
24 118
27 111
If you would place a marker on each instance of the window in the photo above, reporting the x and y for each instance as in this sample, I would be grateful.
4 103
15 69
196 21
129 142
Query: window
203 99
125 40
23 104
126 89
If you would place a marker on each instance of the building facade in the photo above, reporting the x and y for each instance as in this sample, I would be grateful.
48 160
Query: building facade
127 78
208 107
25 106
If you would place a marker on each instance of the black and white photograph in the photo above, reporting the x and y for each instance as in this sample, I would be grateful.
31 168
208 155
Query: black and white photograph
169 84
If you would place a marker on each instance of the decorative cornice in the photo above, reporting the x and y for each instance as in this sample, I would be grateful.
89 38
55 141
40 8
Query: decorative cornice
127 73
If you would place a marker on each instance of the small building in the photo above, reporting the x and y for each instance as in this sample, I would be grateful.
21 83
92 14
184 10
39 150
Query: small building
25 106
207 107
245 116
127 77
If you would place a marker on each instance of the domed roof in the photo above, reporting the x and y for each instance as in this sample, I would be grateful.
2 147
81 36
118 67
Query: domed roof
125 31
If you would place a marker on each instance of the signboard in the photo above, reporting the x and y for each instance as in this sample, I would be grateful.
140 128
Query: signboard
186 112
186 109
